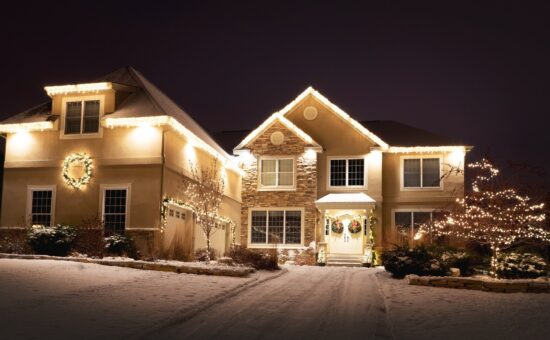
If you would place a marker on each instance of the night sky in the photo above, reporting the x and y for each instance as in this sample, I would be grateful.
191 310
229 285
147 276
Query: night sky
475 72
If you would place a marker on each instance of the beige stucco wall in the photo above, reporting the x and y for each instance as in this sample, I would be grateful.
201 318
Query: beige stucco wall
73 206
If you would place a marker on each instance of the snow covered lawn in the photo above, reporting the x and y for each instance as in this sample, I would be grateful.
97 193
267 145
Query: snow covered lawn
45 298
419 312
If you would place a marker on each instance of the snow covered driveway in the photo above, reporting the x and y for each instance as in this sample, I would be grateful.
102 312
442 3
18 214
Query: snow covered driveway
305 303
69 300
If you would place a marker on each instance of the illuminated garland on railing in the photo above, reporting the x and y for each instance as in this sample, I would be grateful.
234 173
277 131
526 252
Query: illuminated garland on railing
83 159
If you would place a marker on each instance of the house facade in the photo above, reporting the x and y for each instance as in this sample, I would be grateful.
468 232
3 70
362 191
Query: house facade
313 174
117 150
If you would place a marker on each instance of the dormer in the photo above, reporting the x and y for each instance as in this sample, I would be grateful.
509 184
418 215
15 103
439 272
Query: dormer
80 107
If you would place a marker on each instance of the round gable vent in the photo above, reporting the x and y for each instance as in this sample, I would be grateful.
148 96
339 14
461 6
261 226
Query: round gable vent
310 113
277 138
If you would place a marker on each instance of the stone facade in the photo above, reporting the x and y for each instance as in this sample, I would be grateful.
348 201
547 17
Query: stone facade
305 194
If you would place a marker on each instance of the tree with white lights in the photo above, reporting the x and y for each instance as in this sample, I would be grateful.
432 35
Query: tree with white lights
204 190
493 214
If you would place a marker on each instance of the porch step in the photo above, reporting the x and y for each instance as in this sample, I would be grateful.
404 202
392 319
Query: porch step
344 260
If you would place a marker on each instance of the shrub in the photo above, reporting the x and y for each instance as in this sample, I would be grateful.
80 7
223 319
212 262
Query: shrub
521 266
306 258
55 240
402 261
456 258
267 260
121 245
201 254
89 237
14 241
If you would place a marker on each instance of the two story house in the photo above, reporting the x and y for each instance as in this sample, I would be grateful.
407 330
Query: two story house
312 173
117 149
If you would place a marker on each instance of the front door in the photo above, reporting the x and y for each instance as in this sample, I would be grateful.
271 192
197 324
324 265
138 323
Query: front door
346 242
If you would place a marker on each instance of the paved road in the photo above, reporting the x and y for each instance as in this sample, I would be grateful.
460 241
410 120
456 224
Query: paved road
305 303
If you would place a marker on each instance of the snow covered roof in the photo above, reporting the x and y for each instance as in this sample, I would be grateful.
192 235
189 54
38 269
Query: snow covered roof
351 200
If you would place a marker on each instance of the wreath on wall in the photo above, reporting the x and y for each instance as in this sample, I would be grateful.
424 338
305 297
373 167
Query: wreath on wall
354 227
337 227
77 158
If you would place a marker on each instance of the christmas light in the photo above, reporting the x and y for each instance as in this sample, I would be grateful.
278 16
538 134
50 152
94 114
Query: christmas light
26 127
78 158
78 88
429 149
227 160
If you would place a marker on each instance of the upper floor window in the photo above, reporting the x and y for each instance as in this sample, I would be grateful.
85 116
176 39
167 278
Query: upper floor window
277 173
82 117
347 172
421 173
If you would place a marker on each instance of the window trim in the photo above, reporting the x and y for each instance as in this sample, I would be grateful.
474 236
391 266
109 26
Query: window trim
277 187
68 99
420 188
277 245
409 210
128 188
347 159
30 189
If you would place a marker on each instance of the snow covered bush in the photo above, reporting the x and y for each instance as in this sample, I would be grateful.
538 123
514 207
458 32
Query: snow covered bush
402 261
120 245
56 240
456 258
267 260
521 266
13 241
202 255
89 237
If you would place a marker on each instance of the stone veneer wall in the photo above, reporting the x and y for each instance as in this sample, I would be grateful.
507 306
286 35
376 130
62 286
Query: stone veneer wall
305 194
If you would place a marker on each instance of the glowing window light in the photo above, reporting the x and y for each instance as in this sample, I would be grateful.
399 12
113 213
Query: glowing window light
25 127
227 160
78 88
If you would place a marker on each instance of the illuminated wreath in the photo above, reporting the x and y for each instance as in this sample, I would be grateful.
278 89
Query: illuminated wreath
337 227
354 227
78 158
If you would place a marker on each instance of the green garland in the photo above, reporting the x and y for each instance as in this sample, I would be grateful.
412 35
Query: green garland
79 158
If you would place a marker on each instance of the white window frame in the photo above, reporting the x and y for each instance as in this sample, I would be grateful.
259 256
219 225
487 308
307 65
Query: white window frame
128 188
70 99
347 186
410 210
421 187
30 189
277 187
277 245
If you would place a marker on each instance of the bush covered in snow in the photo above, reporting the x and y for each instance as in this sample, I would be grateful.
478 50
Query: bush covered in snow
121 245
402 261
521 266
56 240
266 260
456 258
201 254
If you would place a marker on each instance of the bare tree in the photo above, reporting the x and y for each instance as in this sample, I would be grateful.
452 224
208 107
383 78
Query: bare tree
493 214
203 191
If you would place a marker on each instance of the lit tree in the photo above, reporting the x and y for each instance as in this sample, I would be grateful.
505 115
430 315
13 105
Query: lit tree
204 190
492 214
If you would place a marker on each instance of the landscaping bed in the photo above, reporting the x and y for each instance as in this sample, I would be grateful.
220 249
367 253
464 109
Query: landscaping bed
540 285
158 265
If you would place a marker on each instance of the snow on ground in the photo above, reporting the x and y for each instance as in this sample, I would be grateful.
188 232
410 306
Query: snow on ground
419 312
45 298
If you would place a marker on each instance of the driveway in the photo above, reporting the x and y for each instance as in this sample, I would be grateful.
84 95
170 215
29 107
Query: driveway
305 303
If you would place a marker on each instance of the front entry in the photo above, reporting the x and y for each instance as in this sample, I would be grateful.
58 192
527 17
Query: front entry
346 235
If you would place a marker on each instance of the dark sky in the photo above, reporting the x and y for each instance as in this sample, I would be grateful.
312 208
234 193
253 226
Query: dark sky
471 71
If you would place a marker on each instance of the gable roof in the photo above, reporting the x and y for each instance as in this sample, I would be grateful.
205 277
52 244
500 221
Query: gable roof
310 91
145 102
398 134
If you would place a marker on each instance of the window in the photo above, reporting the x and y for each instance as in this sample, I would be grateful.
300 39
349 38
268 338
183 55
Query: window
276 227
115 209
41 205
277 173
407 224
421 173
347 172
82 117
